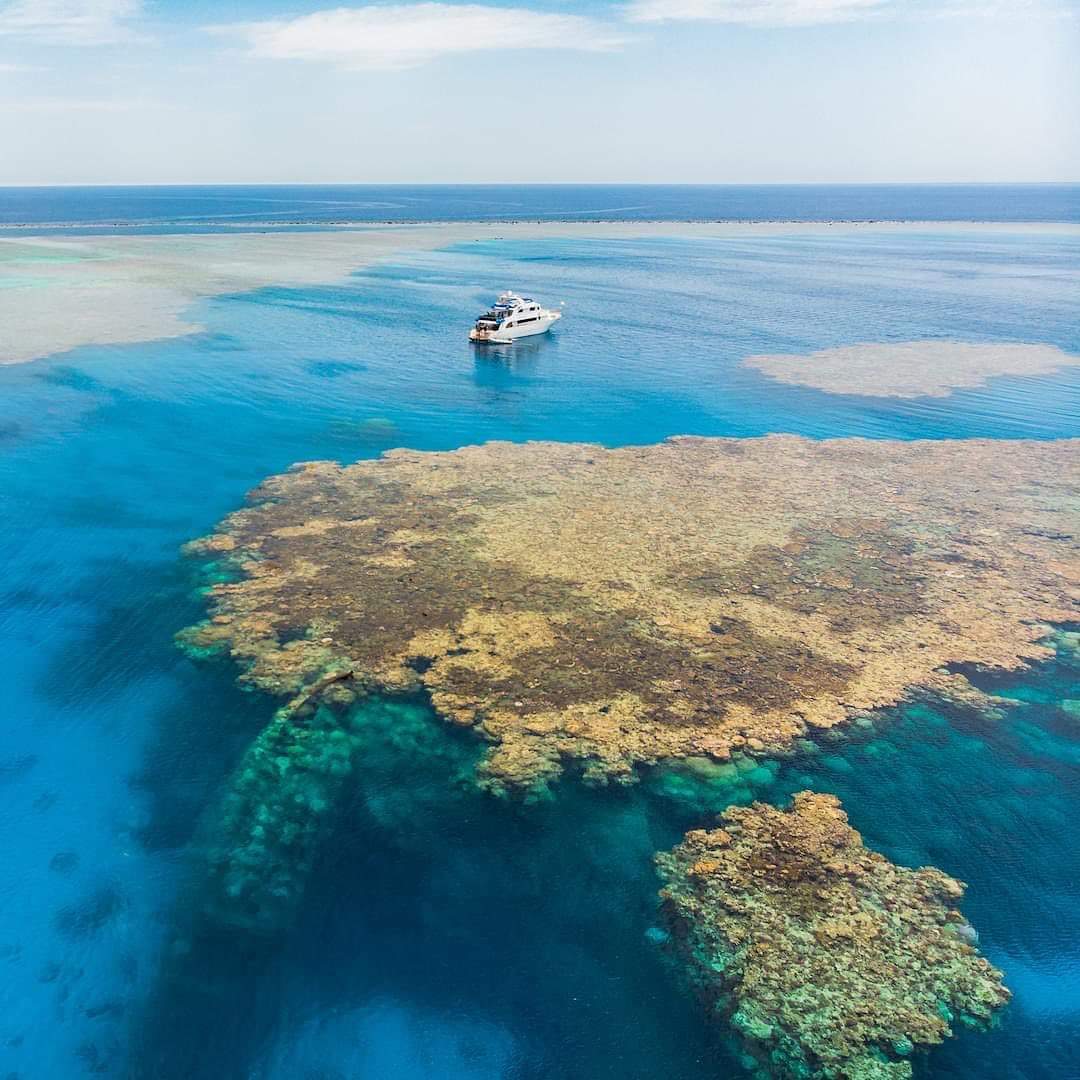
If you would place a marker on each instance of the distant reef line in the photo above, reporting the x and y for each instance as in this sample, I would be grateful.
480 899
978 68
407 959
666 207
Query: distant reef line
358 223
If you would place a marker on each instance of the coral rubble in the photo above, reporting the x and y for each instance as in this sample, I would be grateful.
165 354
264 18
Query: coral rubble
908 369
697 598
829 960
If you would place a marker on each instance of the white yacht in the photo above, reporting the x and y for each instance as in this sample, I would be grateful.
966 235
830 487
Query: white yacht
513 316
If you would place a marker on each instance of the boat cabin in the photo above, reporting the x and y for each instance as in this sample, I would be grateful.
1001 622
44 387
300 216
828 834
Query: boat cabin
509 306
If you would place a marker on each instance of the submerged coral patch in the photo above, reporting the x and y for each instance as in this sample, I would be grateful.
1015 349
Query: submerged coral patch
90 914
696 598
829 960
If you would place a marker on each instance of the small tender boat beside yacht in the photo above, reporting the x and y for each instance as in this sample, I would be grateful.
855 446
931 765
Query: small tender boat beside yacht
512 317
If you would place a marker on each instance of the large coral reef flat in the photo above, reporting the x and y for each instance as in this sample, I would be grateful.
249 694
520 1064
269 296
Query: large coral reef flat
698 597
831 961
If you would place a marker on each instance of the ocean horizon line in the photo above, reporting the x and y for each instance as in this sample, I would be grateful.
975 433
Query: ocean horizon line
362 223
282 205
124 184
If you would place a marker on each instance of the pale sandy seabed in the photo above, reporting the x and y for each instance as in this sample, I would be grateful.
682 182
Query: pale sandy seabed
908 369
59 293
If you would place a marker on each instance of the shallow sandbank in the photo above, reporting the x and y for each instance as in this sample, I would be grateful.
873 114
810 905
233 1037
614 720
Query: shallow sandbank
58 293
909 369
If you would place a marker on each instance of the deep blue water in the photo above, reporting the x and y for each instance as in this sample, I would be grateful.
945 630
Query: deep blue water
444 934
192 207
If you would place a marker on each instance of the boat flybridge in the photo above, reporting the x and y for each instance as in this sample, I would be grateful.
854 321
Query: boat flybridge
513 316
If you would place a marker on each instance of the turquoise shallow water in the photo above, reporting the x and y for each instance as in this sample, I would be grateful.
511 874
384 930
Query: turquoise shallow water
442 934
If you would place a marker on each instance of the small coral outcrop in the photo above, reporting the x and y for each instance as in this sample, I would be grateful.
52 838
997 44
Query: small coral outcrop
278 806
829 960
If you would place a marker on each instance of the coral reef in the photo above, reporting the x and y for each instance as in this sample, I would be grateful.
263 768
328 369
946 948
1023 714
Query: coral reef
376 431
260 845
952 691
64 862
257 847
829 960
908 369
1066 642
695 598
90 914
705 786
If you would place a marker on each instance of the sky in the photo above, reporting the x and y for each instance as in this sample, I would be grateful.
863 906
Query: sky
651 91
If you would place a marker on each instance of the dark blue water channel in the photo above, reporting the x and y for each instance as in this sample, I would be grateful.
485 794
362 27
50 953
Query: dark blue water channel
444 934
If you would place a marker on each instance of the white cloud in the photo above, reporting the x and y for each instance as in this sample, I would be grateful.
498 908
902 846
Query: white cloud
404 35
773 13
69 22
1020 9
754 12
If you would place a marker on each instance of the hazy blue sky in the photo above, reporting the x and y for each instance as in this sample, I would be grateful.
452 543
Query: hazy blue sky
147 91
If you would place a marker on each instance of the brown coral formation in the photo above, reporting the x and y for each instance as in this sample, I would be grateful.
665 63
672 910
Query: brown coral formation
616 607
908 369
830 961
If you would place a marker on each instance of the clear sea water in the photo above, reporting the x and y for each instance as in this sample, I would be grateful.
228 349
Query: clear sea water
443 934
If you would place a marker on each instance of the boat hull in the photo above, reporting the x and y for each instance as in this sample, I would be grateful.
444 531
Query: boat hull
511 333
